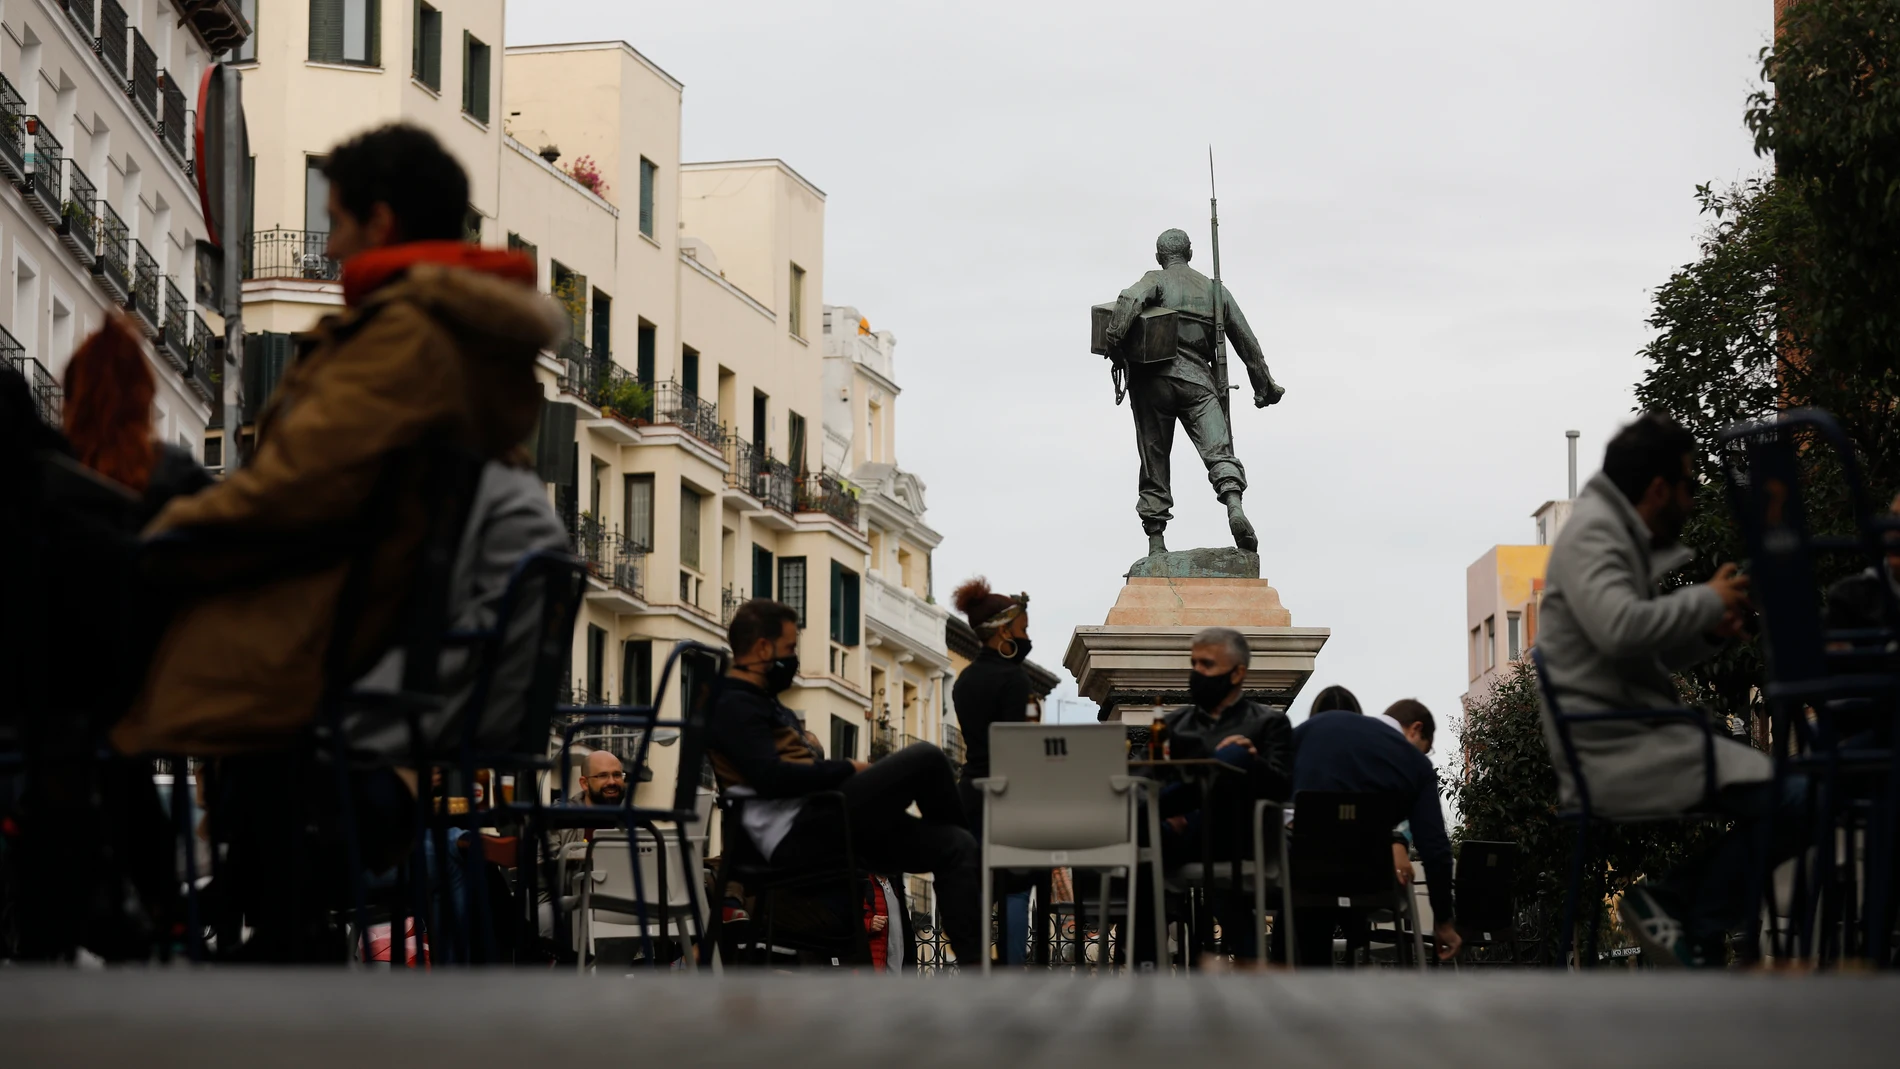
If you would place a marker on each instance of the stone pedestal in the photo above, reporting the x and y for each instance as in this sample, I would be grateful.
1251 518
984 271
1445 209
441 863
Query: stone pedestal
1137 661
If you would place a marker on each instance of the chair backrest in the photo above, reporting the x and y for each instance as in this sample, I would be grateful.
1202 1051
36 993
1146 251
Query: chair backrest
614 870
1342 842
1485 874
1762 467
1059 786
530 641
702 675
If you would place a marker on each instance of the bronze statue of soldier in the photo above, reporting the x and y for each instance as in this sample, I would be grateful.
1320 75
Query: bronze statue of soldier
1162 335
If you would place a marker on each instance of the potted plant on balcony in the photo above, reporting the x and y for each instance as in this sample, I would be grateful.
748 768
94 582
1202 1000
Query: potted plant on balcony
624 399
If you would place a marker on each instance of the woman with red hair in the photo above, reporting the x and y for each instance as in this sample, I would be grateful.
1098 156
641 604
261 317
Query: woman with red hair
108 416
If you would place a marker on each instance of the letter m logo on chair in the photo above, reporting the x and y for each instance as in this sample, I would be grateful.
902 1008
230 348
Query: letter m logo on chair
1055 748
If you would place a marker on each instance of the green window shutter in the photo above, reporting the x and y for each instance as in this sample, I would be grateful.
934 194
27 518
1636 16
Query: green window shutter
432 50
553 443
326 30
761 572
474 77
837 602
647 173
851 608
468 82
373 16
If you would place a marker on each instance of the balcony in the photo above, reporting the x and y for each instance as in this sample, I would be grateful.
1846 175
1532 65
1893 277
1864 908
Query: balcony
45 388
110 270
676 405
826 492
729 602
201 370
145 289
143 87
174 123
580 373
897 615
883 740
752 470
953 746
110 44
174 336
617 565
290 254
44 161
12 133
79 219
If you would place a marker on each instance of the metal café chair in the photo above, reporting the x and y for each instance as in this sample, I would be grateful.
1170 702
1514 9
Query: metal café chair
1340 856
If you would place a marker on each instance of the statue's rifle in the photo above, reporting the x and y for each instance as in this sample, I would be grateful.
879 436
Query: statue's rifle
1221 386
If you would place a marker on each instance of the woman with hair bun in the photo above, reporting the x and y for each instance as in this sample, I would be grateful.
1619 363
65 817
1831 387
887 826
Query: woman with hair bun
994 689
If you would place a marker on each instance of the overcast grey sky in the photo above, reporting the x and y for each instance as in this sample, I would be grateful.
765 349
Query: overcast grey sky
1443 221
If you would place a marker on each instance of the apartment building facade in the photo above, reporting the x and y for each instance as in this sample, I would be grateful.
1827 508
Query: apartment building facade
1503 591
682 434
98 103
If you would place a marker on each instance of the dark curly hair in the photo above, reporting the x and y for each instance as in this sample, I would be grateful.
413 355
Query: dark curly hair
406 168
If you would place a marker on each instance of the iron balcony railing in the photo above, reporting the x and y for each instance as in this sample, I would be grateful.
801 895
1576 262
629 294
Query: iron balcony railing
174 120
79 216
144 285
113 252
44 160
144 84
627 565
42 384
883 740
204 376
591 544
739 463
827 493
290 254
673 403
777 484
111 40
728 604
580 374
81 14
12 132
176 328
618 389
953 745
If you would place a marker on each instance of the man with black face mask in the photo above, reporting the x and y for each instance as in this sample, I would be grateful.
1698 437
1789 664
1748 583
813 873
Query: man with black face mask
759 751
1221 722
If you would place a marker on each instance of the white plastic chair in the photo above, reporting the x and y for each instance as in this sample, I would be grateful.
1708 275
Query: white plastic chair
1059 795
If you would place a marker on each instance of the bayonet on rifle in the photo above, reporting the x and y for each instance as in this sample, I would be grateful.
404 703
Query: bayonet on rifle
1221 386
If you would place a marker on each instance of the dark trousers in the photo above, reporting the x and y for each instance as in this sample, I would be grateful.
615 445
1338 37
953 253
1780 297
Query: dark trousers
1709 890
1158 400
887 838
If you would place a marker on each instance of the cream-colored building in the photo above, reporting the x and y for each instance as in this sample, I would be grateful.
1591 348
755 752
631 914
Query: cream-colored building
683 436
101 209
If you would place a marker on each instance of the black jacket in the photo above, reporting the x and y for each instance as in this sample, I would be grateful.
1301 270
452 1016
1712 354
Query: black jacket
1192 732
1342 751
991 691
756 742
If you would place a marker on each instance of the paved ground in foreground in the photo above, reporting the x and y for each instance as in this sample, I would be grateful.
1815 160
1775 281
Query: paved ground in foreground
263 1018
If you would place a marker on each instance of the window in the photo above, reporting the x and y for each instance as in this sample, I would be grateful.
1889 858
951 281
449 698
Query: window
1477 653
472 225
246 52
596 664
759 424
761 572
796 317
214 452
316 200
345 31
1514 635
844 605
525 248
648 171
1490 643
636 673
637 511
844 740
689 369
648 346
474 78
1543 537
427 67
795 441
689 527
791 585
603 332
569 289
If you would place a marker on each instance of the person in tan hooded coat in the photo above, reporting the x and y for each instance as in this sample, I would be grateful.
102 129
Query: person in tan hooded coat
437 341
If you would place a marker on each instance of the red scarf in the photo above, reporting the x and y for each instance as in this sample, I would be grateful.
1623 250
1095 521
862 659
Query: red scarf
366 271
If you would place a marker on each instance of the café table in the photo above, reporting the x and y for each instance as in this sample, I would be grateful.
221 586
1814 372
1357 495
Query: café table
1205 774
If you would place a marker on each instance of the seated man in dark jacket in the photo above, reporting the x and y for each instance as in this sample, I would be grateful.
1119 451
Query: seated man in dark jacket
1385 754
1223 723
758 749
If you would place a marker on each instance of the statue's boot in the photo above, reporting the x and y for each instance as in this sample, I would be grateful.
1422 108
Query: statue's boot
1157 544
1238 523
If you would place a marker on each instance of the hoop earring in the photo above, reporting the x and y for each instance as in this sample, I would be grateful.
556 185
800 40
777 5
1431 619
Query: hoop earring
1011 652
